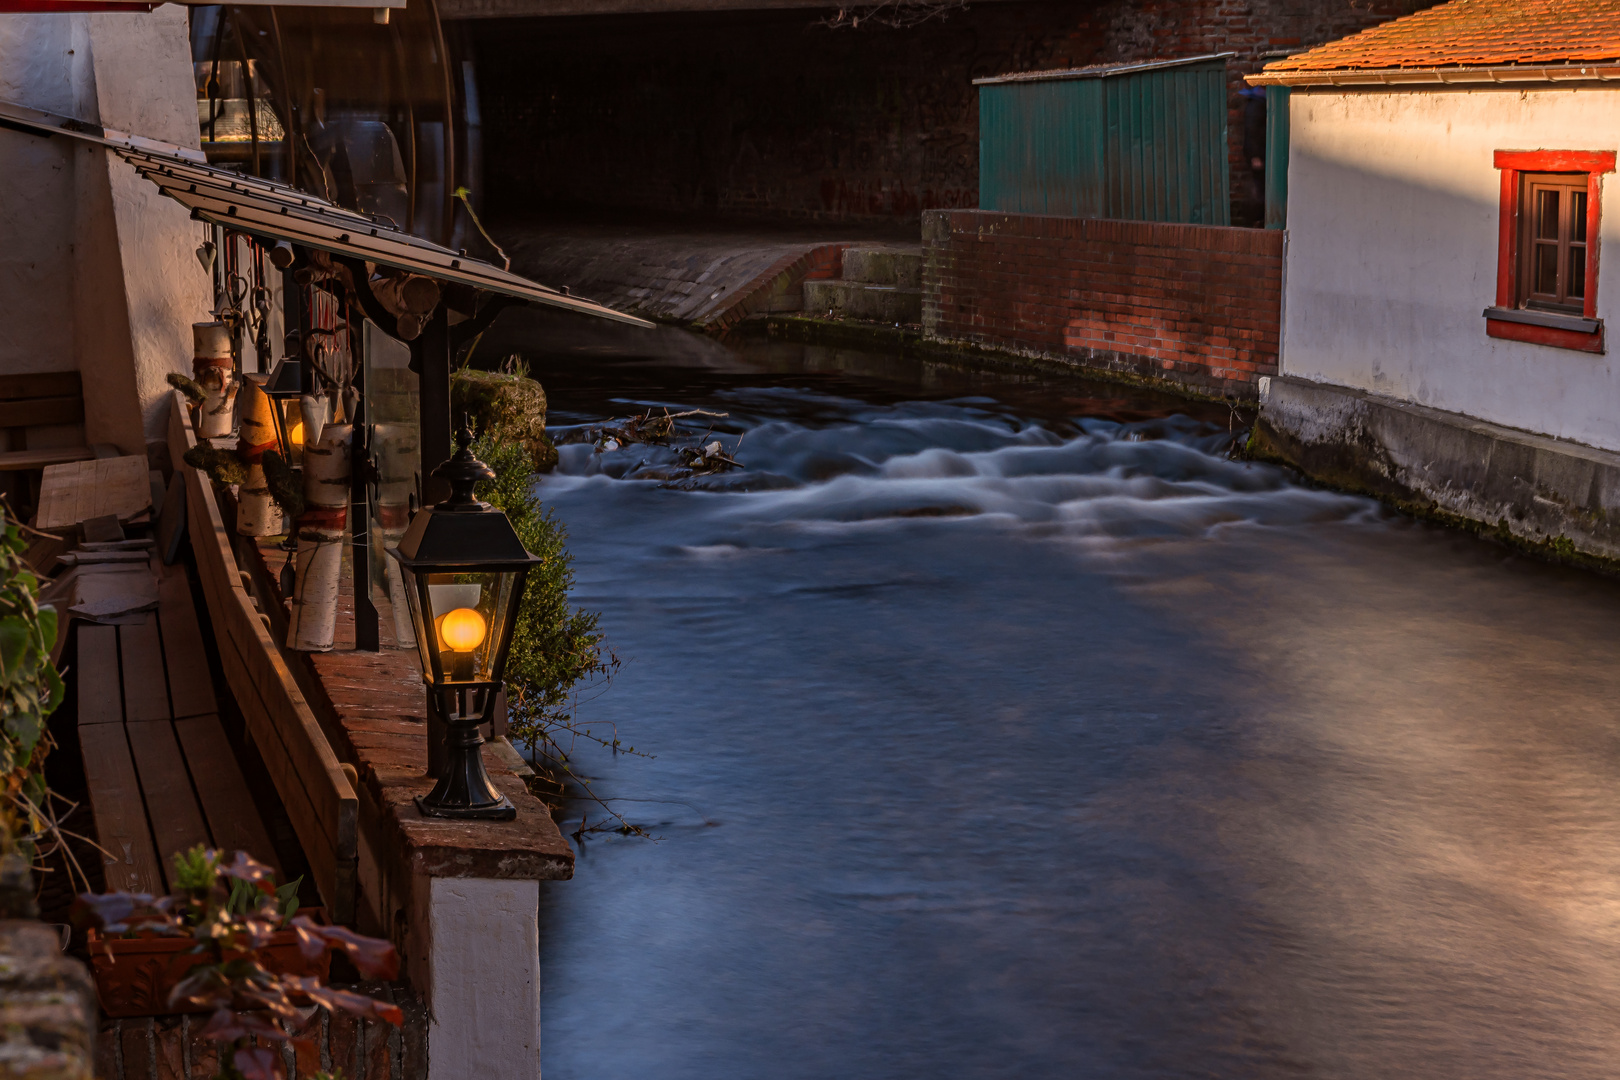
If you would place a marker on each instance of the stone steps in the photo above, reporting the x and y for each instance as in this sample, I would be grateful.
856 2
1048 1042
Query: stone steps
879 284
833 299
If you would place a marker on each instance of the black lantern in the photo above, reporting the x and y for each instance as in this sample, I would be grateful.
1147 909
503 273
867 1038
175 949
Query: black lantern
285 388
464 569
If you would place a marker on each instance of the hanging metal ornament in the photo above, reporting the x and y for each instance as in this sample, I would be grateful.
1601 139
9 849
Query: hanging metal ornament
205 255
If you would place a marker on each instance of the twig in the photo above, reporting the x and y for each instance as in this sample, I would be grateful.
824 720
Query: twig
462 193
893 14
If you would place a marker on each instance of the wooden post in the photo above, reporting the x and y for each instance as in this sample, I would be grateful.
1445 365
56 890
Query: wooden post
313 625
366 637
432 353
214 368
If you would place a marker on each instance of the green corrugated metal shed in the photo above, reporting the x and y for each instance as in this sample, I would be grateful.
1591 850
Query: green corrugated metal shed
1138 142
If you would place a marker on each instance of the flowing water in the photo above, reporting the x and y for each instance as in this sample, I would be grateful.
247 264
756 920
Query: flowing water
1008 729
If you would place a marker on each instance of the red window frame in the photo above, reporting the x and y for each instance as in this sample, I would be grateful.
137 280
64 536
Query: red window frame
1513 165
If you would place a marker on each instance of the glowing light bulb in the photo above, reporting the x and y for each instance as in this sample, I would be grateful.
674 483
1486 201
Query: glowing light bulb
296 436
462 630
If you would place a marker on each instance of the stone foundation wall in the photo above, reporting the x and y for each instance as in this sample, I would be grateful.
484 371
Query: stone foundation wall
1558 497
1192 304
767 114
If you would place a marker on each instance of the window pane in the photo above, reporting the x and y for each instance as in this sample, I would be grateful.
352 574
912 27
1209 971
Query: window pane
1544 277
1577 272
1546 215
1577 213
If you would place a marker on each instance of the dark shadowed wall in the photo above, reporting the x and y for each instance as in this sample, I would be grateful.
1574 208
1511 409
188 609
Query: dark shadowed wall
767 114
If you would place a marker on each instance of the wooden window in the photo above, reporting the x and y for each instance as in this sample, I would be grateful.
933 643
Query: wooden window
1552 275
1546 288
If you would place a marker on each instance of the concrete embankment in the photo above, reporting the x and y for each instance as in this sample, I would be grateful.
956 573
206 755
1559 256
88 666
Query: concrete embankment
710 276
1560 497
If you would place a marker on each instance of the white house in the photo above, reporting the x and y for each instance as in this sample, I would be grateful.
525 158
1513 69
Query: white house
1445 338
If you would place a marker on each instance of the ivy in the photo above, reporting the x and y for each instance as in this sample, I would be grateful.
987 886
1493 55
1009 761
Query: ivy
554 645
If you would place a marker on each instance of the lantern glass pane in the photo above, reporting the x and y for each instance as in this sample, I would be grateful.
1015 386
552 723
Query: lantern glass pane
469 624
395 415
292 431
411 595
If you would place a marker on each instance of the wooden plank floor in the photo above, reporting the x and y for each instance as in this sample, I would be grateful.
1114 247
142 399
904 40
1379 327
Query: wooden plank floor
160 770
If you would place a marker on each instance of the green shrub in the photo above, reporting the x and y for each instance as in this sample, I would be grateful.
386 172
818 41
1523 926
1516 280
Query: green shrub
30 690
554 646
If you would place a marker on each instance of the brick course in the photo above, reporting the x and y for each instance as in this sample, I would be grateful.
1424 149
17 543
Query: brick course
1190 304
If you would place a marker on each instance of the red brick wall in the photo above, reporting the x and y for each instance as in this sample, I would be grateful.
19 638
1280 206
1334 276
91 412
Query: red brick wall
1193 304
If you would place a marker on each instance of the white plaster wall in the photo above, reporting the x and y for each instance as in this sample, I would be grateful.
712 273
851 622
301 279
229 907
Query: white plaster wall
143 83
37 197
97 270
483 983
1393 208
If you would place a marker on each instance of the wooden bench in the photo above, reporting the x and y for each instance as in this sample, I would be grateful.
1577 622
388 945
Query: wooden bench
32 403
160 770
43 400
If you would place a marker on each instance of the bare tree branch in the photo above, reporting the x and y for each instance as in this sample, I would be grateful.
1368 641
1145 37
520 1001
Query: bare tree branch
892 14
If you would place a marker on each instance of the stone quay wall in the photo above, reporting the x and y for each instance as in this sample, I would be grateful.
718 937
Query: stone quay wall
1196 305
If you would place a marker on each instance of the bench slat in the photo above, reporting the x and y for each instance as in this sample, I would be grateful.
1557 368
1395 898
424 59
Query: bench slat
99 699
177 821
42 412
141 656
232 818
41 384
183 646
19 460
115 797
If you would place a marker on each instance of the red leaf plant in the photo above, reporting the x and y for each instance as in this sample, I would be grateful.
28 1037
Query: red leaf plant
230 909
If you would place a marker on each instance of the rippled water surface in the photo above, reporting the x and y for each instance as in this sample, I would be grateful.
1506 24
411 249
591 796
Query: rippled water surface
1008 729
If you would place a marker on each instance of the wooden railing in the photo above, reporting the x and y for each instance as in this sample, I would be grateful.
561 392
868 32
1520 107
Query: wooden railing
318 796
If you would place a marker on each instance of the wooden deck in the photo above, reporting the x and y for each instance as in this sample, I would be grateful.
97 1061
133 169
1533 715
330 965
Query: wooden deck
160 769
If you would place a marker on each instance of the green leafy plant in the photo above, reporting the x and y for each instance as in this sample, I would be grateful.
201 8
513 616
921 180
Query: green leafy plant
245 897
554 645
230 910
30 690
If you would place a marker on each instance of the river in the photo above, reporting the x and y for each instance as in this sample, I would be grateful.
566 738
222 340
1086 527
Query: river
1004 727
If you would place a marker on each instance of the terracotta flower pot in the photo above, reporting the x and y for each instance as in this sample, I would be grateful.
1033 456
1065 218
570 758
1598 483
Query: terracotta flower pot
134 975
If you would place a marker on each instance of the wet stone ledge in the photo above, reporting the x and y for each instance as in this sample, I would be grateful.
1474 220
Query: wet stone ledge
1555 497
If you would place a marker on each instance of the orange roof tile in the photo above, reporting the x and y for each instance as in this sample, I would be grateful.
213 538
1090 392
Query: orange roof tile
1475 33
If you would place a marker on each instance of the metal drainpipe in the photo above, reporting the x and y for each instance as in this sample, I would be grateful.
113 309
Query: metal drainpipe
366 636
432 351
432 355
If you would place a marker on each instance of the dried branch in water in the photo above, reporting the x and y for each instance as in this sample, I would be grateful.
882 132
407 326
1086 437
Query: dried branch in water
892 14
656 428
